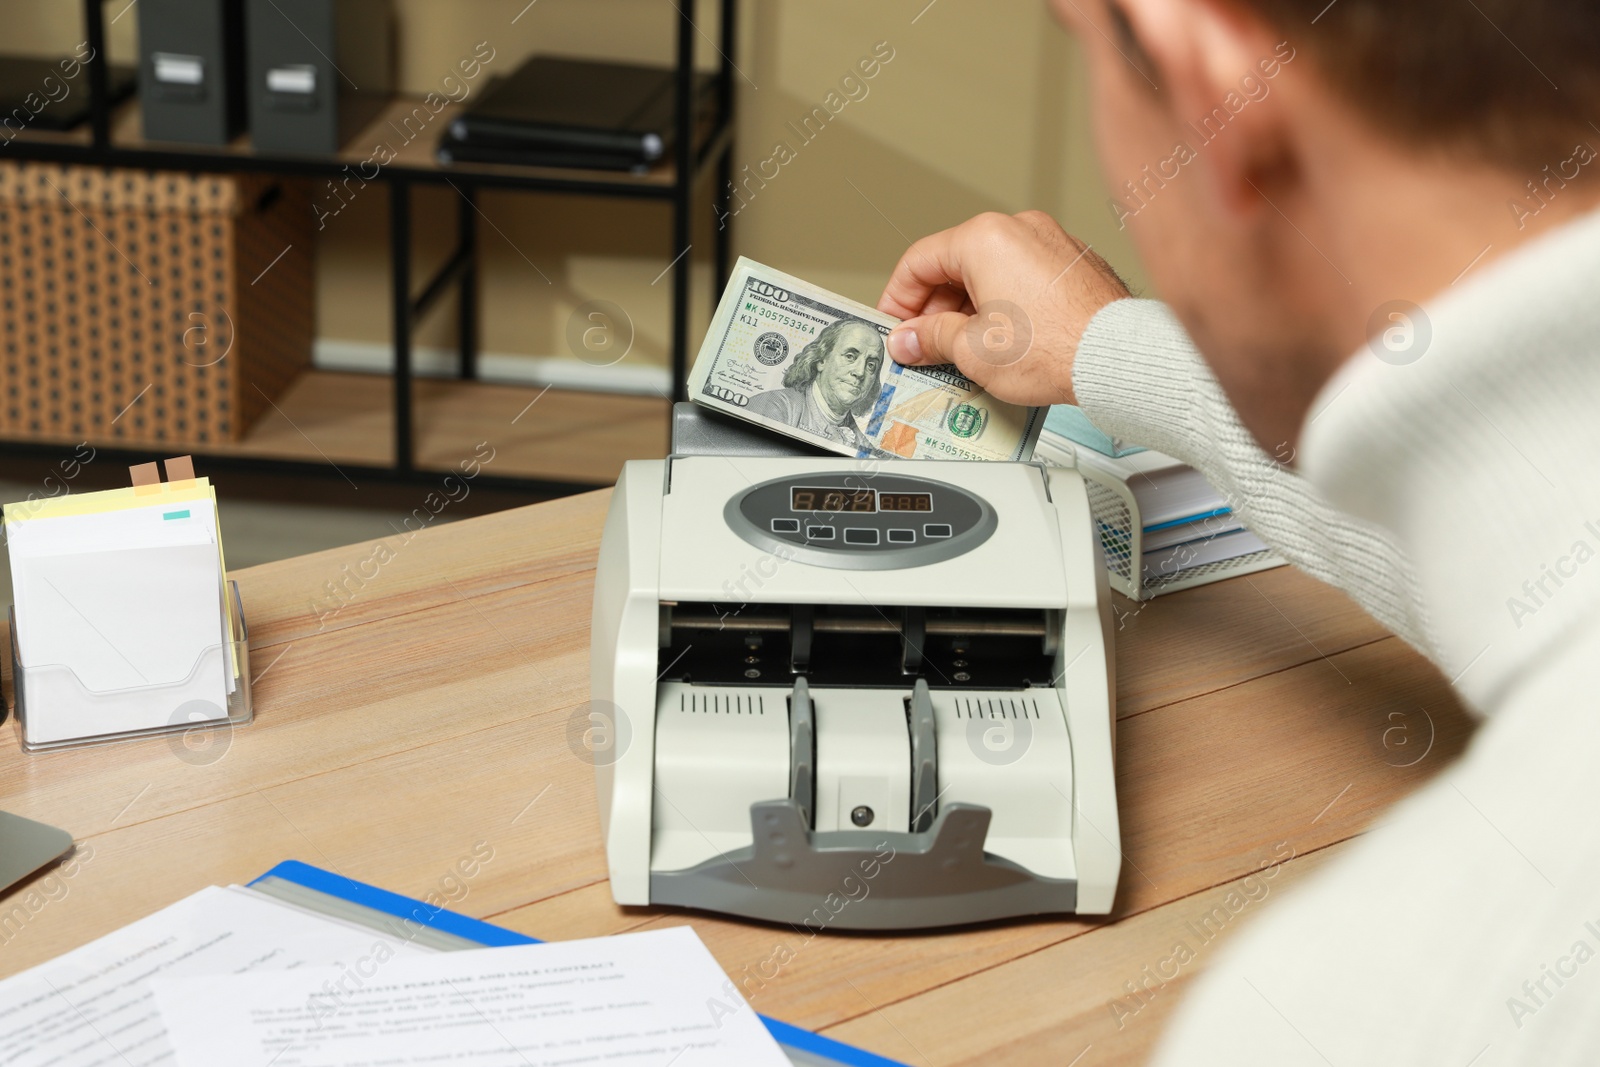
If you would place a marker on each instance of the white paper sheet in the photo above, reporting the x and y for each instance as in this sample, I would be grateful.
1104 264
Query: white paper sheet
93 1007
120 623
121 620
125 523
635 1000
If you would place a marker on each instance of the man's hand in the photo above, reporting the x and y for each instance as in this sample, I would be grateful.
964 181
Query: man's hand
1005 298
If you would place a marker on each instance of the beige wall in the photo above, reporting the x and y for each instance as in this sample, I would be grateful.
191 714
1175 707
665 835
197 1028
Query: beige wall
980 108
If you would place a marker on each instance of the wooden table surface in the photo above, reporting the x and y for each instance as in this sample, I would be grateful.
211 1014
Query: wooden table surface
424 714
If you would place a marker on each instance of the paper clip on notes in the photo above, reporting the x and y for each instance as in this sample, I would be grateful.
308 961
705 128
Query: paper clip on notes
123 622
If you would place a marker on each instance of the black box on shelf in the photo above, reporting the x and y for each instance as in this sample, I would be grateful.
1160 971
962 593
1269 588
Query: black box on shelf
191 70
558 111
320 72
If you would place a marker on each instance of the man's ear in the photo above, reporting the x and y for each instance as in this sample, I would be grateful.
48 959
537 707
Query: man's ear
1220 72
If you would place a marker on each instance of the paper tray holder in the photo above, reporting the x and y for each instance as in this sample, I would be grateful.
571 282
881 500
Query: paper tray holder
240 708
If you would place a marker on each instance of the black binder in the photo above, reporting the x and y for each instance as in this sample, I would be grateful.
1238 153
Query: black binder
556 111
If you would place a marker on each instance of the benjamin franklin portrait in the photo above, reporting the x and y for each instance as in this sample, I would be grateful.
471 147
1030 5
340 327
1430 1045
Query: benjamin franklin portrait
831 383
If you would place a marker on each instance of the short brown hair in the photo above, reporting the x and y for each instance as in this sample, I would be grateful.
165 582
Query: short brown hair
1509 82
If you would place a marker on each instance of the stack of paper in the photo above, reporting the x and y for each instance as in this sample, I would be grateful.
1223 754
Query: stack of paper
1184 521
122 619
232 976
646 999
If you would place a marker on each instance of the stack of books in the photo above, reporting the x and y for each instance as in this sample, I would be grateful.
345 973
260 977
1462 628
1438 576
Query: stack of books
1162 525
558 112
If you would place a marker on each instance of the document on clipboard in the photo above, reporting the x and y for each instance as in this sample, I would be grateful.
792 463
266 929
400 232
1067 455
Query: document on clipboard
642 999
141 993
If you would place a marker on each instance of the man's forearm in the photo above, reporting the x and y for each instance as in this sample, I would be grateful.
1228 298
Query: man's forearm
1139 377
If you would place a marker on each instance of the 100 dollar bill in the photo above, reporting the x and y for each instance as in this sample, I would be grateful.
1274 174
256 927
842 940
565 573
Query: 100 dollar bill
795 358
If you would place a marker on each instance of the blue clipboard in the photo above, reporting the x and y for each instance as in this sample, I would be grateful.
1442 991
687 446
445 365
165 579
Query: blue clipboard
802 1046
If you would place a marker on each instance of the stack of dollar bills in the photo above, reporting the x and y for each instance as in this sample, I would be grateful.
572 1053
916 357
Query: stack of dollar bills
793 357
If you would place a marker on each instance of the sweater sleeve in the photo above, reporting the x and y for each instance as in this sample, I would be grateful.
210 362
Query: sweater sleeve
1140 378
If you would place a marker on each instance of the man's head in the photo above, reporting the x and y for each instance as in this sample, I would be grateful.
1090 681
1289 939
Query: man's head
844 360
1290 167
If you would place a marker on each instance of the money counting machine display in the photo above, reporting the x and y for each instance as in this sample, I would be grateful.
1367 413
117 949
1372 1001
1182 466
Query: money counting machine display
871 695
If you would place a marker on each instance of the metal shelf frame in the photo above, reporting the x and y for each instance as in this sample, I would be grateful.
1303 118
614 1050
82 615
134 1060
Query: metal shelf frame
699 150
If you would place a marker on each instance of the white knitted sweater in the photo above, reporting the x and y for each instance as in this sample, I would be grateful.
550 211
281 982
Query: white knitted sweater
1457 498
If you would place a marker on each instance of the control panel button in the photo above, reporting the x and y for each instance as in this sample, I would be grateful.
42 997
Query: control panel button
830 518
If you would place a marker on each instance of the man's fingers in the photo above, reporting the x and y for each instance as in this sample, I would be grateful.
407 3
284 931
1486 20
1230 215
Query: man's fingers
944 299
941 300
931 265
931 339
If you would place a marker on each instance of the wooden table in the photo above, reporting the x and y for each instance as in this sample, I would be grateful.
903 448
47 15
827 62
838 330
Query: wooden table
424 714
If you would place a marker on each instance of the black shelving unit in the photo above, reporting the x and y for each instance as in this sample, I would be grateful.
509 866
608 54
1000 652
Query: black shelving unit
702 146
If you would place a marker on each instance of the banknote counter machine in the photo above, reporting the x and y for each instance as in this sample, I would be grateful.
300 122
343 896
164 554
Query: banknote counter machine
867 696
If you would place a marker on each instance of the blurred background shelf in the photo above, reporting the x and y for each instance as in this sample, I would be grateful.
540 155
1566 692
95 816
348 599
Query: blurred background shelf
416 159
870 168
343 424
393 425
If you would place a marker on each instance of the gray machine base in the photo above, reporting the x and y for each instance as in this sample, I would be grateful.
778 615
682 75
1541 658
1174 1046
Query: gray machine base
861 880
